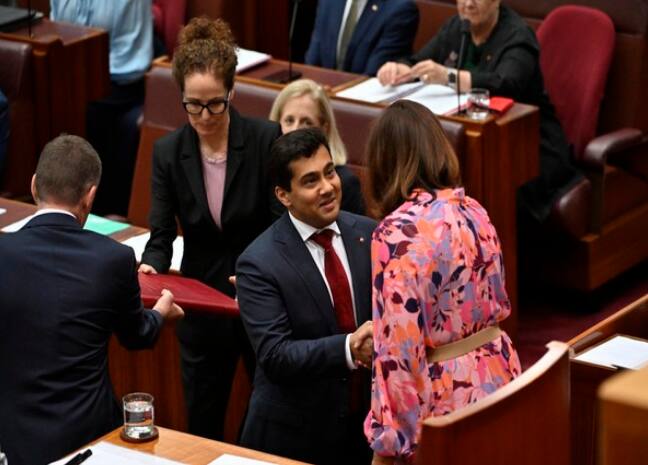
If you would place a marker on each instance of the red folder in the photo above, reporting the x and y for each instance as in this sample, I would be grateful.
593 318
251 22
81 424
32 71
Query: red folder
189 293
500 104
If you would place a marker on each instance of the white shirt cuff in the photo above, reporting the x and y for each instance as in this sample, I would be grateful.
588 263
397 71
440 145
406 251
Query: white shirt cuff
347 351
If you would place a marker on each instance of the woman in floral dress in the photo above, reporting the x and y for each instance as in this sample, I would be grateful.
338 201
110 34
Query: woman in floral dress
438 278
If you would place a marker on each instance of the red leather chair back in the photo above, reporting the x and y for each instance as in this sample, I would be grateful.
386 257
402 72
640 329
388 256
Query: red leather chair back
168 18
576 46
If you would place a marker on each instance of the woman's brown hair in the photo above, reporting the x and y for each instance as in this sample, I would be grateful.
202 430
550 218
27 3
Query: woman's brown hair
205 45
408 149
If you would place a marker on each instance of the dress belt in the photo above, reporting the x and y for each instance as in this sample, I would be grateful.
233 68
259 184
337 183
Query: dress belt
463 346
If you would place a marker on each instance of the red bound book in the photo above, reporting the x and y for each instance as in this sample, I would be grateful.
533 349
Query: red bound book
500 104
189 293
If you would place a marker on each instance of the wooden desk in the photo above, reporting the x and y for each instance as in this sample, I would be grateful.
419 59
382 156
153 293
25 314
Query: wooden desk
70 69
586 379
192 450
623 422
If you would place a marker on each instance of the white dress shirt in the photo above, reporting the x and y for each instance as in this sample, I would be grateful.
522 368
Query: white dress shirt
317 252
44 211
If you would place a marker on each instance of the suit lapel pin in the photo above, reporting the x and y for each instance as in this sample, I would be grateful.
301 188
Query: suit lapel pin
374 7
361 239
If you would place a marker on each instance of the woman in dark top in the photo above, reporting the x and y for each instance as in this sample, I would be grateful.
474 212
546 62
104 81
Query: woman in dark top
503 57
211 177
303 103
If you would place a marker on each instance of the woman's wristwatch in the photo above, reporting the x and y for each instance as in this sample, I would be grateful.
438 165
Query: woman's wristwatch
453 75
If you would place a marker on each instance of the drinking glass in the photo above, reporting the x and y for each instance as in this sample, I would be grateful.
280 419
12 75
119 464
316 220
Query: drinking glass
478 102
139 415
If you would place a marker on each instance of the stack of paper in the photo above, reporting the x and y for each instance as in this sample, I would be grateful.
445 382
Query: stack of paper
249 58
138 243
104 453
441 100
617 352
227 459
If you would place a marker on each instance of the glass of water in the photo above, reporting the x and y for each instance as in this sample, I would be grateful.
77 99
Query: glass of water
478 102
139 415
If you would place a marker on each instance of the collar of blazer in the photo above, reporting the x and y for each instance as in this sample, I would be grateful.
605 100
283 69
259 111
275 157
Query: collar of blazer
53 219
192 165
296 253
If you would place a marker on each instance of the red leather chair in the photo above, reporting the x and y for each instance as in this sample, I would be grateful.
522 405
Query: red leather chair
168 18
597 229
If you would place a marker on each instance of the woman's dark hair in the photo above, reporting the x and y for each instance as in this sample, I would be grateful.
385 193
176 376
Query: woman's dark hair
408 149
301 143
205 45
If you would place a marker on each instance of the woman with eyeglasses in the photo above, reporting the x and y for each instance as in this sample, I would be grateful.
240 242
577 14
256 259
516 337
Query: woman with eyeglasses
210 178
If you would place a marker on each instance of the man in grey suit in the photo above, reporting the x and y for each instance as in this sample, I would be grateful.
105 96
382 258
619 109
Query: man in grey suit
304 290
63 292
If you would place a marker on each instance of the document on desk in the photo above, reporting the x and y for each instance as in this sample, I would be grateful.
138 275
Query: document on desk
441 100
249 58
13 227
138 244
93 223
617 352
3 210
227 459
372 91
105 453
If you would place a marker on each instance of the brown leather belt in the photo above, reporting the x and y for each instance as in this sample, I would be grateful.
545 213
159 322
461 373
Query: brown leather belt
463 346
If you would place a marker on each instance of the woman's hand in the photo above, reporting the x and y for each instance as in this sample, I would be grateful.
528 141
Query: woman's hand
146 269
430 72
392 73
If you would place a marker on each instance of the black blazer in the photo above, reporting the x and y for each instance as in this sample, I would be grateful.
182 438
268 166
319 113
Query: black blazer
509 65
178 191
301 384
63 292
352 199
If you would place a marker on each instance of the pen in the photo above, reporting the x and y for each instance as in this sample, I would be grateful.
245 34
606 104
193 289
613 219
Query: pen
79 458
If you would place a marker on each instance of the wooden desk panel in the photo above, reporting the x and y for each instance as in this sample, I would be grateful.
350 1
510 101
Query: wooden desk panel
586 379
70 69
192 450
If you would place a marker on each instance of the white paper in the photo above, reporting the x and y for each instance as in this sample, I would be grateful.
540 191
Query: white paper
104 453
373 91
3 210
619 351
138 243
249 58
441 100
13 227
227 459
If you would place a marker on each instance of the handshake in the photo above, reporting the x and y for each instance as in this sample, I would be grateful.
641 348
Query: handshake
361 342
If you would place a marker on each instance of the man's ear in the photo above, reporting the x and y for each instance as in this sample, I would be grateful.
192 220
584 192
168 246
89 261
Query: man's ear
34 192
283 195
88 198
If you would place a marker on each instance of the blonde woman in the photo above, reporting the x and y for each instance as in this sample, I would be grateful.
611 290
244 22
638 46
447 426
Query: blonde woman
304 104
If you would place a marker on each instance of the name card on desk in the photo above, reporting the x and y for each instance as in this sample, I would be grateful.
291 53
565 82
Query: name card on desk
249 58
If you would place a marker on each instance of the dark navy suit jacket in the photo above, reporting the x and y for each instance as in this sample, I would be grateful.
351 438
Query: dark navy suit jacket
63 292
385 31
301 392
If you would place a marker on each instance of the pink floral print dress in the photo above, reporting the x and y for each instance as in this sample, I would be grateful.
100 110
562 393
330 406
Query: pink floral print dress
438 277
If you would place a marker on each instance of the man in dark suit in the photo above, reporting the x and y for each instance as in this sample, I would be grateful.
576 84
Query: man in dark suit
305 298
359 36
63 292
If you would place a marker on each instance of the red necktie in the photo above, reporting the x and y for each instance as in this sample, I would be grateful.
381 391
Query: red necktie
338 282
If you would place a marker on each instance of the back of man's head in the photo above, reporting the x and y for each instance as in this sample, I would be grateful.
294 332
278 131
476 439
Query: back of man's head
68 167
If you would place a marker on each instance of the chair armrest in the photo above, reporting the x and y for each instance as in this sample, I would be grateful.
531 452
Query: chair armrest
600 148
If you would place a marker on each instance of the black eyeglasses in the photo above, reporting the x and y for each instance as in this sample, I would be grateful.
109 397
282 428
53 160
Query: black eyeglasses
214 107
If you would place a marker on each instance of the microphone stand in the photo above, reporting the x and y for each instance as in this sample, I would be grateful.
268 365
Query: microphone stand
286 76
29 19
465 30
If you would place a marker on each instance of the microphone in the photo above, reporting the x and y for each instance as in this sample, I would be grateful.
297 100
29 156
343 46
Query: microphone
283 76
465 32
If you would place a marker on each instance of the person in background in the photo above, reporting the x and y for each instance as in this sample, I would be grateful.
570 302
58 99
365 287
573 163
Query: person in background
438 286
211 177
63 292
302 104
358 36
4 131
502 56
304 293
112 122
